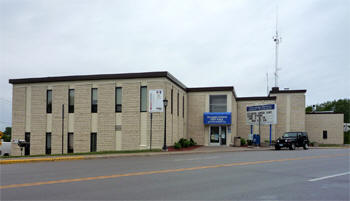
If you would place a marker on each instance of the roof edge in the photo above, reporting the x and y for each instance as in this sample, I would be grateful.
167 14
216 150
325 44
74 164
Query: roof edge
155 74
256 98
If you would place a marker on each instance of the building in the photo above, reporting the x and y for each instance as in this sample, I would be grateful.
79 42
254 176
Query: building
110 112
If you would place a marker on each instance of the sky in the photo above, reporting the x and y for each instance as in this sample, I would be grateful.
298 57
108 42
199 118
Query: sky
200 42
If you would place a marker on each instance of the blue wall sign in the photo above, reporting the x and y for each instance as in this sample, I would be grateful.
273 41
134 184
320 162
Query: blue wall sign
217 117
261 107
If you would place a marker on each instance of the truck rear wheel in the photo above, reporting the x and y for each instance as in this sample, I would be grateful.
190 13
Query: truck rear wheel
306 146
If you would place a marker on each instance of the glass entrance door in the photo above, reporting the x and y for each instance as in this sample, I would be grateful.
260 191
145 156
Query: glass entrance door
223 135
214 135
217 135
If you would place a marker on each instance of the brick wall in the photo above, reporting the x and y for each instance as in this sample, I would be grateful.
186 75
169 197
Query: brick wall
332 123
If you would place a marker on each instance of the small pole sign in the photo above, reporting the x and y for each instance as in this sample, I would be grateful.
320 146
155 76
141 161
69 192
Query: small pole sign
156 100
155 105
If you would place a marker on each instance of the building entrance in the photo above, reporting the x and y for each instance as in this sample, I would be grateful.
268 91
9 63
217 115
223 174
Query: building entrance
217 135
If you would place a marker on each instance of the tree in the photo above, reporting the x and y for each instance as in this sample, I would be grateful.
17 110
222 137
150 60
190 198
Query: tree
7 134
339 106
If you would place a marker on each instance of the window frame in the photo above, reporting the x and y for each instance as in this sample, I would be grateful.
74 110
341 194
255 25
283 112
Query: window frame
178 104
118 107
48 148
48 104
70 105
70 149
94 107
141 99
325 134
210 104
93 147
172 100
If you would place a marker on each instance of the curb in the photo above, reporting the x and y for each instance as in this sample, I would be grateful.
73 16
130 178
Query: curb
55 159
12 161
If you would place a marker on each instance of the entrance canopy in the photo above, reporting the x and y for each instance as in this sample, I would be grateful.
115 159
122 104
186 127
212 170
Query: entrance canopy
222 118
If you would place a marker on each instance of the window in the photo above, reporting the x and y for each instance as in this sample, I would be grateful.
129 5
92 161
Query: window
70 143
217 103
27 147
118 99
94 100
93 142
177 104
49 101
48 143
183 106
71 101
143 99
324 134
172 91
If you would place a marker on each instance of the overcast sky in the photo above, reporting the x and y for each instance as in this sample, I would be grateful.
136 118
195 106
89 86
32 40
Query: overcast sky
202 43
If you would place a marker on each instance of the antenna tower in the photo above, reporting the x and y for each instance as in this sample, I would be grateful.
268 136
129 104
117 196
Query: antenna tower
277 39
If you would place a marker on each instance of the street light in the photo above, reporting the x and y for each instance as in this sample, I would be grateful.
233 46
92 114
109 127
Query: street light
165 101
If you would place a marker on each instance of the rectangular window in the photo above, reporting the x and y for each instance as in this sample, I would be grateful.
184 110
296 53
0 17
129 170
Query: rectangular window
172 101
325 135
71 101
70 143
27 147
118 99
94 100
48 143
49 101
218 103
143 99
177 104
183 106
93 142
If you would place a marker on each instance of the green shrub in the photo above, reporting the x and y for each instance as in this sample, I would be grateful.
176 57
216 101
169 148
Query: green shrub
187 143
182 141
177 145
249 142
347 137
192 142
243 142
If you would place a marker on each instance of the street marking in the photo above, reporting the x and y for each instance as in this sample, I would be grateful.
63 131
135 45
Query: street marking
163 171
192 159
330 176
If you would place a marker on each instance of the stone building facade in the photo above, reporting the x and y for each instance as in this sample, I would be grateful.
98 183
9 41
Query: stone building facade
128 127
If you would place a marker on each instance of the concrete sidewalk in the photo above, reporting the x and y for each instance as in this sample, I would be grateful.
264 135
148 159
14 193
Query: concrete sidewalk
204 149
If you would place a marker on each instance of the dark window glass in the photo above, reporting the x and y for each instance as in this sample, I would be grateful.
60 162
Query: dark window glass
325 135
177 104
94 100
183 106
71 101
48 143
27 147
70 143
172 101
118 99
49 101
93 142
218 103
143 99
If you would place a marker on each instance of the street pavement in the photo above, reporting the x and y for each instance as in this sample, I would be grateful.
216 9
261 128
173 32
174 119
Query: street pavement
317 174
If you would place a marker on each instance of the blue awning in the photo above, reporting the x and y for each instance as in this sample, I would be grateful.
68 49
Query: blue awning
217 118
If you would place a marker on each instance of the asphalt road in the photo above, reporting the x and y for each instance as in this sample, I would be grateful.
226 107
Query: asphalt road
318 174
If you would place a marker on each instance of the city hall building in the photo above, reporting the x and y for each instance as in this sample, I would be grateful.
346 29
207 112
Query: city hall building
89 113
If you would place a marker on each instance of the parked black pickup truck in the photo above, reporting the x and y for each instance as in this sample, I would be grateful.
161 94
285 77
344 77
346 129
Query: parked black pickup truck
292 140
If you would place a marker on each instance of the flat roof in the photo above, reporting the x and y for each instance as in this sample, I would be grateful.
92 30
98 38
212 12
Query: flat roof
158 74
255 98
